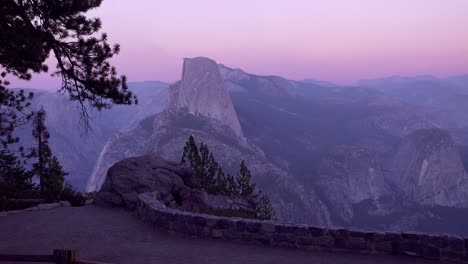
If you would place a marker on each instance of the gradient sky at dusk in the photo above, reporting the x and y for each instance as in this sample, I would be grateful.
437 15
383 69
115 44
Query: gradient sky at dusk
335 40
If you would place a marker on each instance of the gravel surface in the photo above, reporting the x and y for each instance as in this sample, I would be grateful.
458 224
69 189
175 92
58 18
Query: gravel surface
117 236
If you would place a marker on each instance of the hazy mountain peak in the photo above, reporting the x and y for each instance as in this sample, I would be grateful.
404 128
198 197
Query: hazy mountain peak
319 82
236 74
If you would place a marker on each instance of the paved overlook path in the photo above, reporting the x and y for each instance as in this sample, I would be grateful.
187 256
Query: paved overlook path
116 236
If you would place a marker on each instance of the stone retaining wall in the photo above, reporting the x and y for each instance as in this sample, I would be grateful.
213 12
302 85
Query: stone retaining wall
440 247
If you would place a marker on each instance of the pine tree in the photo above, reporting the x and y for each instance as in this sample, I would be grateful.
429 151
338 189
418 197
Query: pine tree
202 162
232 185
244 180
15 180
212 173
32 31
42 149
47 167
191 156
13 113
216 182
55 179
221 183
264 209
207 169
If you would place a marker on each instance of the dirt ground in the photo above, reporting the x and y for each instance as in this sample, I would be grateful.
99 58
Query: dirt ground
117 236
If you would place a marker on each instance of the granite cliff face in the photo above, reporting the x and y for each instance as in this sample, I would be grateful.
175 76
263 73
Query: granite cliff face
349 175
427 169
202 92
412 184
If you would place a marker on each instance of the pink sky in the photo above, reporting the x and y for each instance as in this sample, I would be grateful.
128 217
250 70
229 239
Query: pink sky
336 40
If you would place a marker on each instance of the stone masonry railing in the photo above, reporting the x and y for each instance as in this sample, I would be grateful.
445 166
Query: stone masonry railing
439 247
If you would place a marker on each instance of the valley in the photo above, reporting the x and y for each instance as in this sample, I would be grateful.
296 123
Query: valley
380 155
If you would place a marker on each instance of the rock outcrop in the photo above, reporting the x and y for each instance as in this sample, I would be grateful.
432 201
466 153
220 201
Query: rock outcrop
427 169
201 91
173 185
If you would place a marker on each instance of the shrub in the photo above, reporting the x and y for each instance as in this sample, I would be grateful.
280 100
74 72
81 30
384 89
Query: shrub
74 197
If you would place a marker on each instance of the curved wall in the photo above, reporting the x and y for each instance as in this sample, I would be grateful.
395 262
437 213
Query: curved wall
440 247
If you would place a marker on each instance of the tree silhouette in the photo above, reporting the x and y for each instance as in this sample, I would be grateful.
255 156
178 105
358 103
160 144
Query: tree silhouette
31 30
15 180
191 156
12 113
264 209
47 167
55 179
41 150
244 181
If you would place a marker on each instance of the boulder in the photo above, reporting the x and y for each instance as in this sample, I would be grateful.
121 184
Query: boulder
172 184
65 203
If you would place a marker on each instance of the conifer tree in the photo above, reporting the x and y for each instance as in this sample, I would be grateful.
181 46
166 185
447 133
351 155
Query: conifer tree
212 174
232 186
203 163
190 156
15 180
221 183
264 209
47 167
13 105
244 180
55 179
42 149
215 181
208 168
32 31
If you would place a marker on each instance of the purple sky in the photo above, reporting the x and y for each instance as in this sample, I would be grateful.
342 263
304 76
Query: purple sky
336 40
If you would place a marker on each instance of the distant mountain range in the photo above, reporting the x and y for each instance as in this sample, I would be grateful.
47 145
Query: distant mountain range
384 154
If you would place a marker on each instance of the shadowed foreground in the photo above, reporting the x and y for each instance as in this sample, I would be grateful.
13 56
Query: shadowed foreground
116 236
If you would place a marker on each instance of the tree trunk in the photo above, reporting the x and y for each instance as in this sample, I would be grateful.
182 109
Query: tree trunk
41 161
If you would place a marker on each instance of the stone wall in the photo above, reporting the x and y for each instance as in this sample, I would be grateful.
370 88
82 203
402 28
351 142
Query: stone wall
440 247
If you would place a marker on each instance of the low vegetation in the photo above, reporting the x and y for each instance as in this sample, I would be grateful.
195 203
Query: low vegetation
217 182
